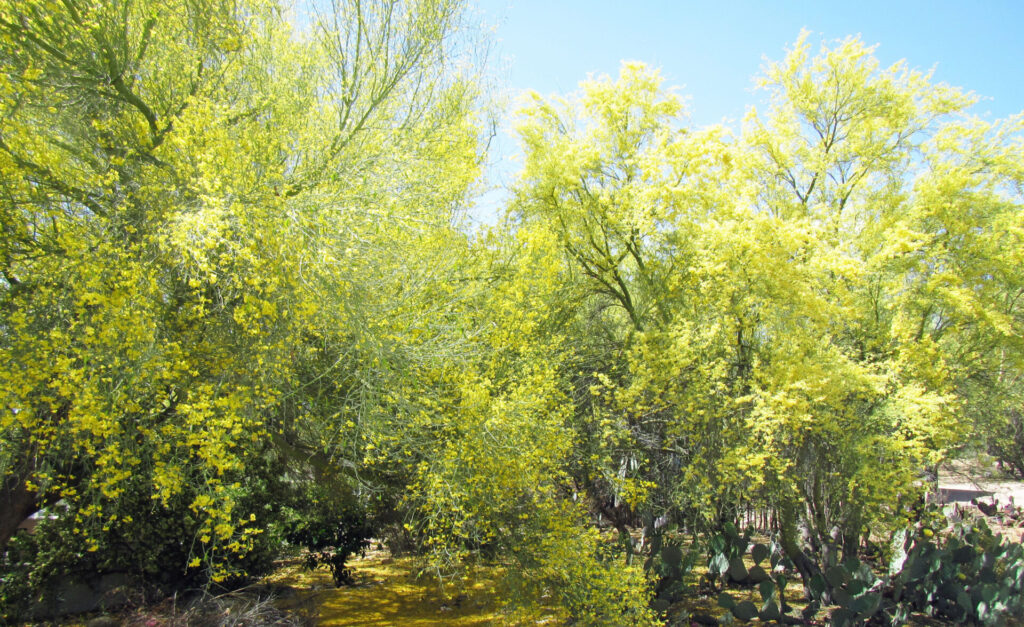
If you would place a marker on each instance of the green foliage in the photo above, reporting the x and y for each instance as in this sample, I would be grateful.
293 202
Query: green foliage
970 576
850 585
727 552
20 582
558 558
151 545
967 576
670 565
596 589
331 531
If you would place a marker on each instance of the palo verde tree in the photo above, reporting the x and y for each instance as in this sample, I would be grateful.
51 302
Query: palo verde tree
495 469
802 316
617 180
203 211
909 210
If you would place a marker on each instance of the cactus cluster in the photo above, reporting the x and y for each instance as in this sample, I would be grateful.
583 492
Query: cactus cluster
975 576
670 564
971 576
773 603
726 557
851 586
727 564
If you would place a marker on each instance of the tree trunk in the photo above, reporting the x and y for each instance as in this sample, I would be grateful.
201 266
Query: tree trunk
17 503
852 530
788 535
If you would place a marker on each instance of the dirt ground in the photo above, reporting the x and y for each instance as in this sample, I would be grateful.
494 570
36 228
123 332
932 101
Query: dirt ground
390 591
961 481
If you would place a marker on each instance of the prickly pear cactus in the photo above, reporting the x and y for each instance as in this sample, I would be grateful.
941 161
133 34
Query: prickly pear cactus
767 573
670 565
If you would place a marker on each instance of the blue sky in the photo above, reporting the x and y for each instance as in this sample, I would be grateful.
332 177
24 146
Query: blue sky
712 50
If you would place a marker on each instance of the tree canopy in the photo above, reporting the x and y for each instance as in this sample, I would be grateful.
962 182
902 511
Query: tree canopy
237 292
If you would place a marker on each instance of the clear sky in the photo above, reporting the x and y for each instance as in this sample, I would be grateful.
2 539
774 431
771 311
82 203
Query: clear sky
712 50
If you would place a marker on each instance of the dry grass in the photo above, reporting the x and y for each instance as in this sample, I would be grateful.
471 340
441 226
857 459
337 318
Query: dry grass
242 608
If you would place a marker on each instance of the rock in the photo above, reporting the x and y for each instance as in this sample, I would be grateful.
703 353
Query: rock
76 598
114 589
